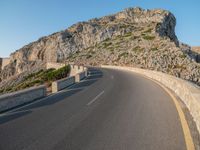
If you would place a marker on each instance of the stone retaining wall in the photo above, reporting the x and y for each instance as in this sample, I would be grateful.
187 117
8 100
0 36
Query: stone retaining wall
188 92
80 76
63 83
77 73
76 69
11 100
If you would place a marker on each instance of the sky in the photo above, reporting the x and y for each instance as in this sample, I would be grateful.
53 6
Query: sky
25 21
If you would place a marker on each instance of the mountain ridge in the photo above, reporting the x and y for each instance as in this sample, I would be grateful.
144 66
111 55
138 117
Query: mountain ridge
133 37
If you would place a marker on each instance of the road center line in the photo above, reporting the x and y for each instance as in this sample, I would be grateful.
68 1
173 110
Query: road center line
95 98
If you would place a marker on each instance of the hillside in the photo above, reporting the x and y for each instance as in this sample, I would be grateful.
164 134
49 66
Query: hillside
38 78
133 37
196 49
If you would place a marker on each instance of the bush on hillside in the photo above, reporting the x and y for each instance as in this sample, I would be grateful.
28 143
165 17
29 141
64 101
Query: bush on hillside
39 78
57 74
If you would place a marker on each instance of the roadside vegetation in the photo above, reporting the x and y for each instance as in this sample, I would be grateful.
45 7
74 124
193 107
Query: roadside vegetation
41 77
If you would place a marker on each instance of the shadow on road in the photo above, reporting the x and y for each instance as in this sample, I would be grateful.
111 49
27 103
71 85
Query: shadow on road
53 99
94 75
12 116
64 94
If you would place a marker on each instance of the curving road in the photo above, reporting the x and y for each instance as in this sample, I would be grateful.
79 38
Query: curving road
110 110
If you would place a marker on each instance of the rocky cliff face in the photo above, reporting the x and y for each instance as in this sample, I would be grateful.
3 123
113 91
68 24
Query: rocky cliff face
196 49
134 37
195 53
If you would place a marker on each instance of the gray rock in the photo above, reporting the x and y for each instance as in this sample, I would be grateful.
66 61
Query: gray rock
133 37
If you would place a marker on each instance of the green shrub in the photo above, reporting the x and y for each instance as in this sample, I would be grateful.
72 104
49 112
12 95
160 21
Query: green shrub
134 37
91 52
183 55
111 49
148 30
106 40
52 75
105 45
128 34
122 26
124 54
38 78
33 74
137 49
148 37
88 56
154 49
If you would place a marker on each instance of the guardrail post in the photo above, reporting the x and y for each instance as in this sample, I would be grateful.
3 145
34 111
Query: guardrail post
77 77
54 87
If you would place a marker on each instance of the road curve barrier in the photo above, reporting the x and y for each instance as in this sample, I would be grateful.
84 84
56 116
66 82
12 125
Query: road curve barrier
188 92
79 73
62 84
22 97
12 100
80 76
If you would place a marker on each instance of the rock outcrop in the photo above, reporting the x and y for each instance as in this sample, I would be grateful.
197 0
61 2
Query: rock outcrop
196 53
133 37
196 49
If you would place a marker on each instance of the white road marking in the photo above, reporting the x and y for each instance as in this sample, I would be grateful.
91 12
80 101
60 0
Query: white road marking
42 99
95 98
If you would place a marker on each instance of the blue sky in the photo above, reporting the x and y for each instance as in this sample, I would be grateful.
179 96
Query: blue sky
24 21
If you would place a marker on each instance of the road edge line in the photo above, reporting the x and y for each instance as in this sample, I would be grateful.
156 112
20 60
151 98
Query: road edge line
185 127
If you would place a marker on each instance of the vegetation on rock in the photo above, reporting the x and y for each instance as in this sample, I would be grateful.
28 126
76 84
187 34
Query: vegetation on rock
134 37
38 78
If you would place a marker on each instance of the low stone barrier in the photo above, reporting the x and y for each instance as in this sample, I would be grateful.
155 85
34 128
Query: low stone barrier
77 73
63 83
187 91
86 71
12 100
76 69
80 76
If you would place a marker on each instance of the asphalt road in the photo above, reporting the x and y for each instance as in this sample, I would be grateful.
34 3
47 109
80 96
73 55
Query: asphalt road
111 110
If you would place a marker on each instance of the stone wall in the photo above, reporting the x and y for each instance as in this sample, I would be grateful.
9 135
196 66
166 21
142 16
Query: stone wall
188 92
80 76
15 99
76 69
77 74
12 100
62 84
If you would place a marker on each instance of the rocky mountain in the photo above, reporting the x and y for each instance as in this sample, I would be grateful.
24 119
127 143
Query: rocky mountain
195 53
196 49
133 37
